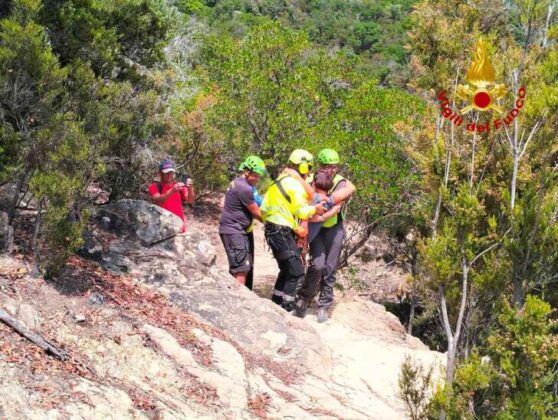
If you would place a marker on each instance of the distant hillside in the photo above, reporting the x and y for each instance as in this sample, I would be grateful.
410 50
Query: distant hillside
374 30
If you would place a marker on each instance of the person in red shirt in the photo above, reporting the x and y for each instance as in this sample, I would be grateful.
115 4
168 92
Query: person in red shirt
170 194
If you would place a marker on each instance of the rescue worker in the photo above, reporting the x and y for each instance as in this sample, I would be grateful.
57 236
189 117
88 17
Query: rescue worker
286 202
240 208
325 249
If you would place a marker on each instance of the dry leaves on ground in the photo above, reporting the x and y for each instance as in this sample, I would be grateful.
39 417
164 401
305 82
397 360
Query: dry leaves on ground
259 405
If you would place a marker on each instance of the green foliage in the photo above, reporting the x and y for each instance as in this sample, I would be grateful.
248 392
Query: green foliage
32 84
374 30
191 7
486 207
365 131
5 8
267 89
517 376
415 384
468 178
116 38
272 92
74 110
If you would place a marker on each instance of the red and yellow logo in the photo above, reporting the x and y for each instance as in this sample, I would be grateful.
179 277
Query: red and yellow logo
481 93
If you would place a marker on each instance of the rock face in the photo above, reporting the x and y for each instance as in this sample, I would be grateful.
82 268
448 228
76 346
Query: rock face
176 337
7 193
3 228
140 220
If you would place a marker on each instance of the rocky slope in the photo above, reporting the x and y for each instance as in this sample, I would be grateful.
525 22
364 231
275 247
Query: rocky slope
156 329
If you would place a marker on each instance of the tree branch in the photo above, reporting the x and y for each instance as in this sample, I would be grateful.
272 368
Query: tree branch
444 309
34 338
491 247
464 292
529 138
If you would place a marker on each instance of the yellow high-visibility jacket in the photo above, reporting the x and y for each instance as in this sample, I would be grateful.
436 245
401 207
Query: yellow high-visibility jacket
278 210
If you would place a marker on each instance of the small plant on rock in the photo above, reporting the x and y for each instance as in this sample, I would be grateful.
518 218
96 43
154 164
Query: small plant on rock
415 383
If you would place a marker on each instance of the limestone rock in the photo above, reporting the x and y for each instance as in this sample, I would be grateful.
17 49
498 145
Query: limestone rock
7 192
3 228
226 358
239 350
29 316
140 220
9 305
170 346
106 402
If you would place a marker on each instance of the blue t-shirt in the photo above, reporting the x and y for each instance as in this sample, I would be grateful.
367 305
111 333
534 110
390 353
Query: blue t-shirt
236 217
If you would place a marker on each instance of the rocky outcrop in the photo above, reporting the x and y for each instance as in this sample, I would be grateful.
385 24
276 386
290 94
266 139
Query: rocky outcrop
139 220
176 337
3 228
182 268
7 193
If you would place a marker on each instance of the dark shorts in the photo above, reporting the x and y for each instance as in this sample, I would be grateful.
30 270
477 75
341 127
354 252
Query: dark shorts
239 252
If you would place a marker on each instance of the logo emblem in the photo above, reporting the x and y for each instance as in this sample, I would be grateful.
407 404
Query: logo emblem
481 92
480 76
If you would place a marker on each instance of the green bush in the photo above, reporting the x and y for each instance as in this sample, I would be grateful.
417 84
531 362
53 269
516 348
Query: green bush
517 376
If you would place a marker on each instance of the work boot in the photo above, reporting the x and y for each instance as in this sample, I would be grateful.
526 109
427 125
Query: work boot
288 305
277 299
322 315
300 308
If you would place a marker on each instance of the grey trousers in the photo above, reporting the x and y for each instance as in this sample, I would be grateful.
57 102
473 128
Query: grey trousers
325 250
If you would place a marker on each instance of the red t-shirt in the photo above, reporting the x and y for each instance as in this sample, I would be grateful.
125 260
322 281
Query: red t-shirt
174 202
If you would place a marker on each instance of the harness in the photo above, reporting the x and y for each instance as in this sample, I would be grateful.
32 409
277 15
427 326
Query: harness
281 189
280 232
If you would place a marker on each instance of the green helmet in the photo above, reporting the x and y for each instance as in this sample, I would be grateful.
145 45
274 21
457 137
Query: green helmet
253 164
328 157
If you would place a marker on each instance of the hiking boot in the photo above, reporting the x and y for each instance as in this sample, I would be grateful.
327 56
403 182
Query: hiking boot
288 305
277 299
322 315
300 308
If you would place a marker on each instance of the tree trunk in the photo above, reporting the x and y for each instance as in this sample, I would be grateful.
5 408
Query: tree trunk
36 249
411 316
15 199
513 186
9 243
450 369
34 338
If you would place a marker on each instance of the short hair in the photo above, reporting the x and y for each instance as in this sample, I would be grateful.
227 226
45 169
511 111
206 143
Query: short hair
323 180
